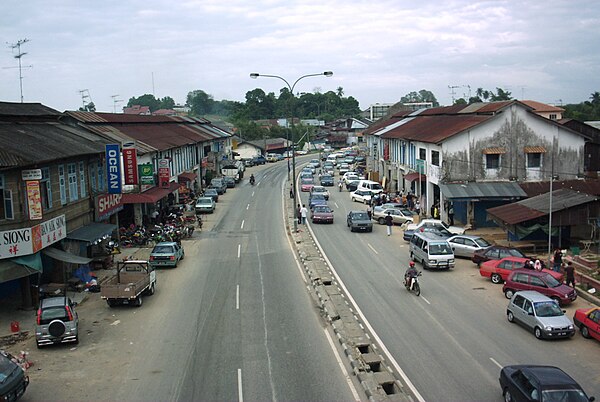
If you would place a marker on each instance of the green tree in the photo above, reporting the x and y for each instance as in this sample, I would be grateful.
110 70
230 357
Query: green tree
460 101
200 102
145 100
584 111
422 96
167 103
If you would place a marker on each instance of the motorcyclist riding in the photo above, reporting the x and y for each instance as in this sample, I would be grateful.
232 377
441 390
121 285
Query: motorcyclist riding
340 184
252 179
410 273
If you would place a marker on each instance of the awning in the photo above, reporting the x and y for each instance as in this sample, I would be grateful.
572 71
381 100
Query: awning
494 151
187 176
415 176
534 150
92 232
19 267
487 190
61 255
151 196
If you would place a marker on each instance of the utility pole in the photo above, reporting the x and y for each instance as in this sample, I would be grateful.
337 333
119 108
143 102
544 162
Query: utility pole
452 91
18 56
115 101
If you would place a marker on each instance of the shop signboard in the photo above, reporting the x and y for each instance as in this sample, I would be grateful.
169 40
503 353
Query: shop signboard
113 168
164 173
107 205
25 241
146 174
130 165
31 174
34 200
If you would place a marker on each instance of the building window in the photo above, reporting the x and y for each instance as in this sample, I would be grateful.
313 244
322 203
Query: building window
492 161
534 160
435 158
93 172
46 189
553 116
6 204
100 177
72 176
82 180
62 185
422 153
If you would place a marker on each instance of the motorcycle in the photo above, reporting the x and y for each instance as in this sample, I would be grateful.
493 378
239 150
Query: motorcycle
412 284
252 180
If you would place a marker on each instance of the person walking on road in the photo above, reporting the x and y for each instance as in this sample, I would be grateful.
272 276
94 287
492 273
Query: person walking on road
570 271
389 221
303 213
557 260
369 210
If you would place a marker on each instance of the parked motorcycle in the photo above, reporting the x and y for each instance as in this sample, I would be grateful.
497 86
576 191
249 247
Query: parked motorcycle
412 284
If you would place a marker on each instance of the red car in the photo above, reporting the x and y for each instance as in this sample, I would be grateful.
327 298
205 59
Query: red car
588 322
498 270
321 213
306 184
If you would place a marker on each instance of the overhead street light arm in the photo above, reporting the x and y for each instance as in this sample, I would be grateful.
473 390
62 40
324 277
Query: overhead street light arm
291 87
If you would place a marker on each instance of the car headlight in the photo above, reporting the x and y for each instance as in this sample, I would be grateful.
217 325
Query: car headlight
566 295
432 261
451 261
570 326
548 328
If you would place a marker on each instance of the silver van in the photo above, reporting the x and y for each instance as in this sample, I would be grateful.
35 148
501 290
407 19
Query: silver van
431 250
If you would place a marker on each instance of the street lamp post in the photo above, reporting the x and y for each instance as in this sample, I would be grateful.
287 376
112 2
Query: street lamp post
291 88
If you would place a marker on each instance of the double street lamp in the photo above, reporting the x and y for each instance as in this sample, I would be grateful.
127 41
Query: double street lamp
291 88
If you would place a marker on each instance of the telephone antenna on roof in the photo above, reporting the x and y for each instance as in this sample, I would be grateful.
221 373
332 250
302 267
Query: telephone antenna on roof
86 99
115 101
452 91
18 56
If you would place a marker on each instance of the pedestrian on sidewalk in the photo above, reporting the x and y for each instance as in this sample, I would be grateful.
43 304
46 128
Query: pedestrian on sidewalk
557 260
570 271
369 210
451 214
418 207
299 214
389 221
303 213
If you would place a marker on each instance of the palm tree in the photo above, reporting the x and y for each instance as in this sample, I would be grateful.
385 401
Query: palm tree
595 98
340 91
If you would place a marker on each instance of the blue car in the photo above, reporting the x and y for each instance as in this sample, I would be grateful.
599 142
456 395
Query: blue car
316 199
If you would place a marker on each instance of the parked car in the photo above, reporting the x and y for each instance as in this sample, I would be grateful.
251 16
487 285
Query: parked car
320 190
212 193
499 270
249 162
219 185
327 180
543 282
496 253
439 230
271 158
306 184
363 196
322 214
359 220
229 181
539 383
588 322
438 223
260 160
316 199
13 380
539 314
431 250
466 245
166 254
205 205
56 321
398 217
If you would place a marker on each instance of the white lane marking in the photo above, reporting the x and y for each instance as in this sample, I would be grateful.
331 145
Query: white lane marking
341 364
336 205
253 194
241 227
495 362
239 250
247 207
426 301
371 247
408 382
237 297
240 394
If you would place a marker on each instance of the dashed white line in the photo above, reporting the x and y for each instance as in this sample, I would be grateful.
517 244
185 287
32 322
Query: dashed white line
240 394
336 205
426 301
495 362
239 250
241 227
371 247
247 207
253 194
237 297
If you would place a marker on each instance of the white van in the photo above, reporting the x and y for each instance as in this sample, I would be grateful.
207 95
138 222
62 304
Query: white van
431 250
370 185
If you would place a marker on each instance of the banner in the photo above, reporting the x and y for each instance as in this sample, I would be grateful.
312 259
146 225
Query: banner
113 168
146 174
34 199
164 173
130 165
25 241
107 205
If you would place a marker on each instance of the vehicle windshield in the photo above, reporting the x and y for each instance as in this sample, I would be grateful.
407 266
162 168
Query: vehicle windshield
551 281
376 186
204 201
547 309
306 180
318 197
322 209
162 249
318 190
482 242
439 249
564 395
360 216
210 191
516 253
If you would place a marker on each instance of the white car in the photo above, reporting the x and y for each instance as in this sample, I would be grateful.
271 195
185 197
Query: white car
344 168
350 176
363 196
436 222
320 190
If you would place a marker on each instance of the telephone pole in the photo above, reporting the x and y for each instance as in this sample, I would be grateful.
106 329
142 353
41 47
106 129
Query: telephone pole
18 56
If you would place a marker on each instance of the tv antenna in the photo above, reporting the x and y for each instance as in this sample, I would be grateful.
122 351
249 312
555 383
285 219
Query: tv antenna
115 101
18 56
452 91
86 99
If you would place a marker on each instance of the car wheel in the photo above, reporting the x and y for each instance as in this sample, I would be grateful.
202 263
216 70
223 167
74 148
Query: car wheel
138 301
111 302
538 333
176 262
557 299
152 290
510 316
182 256
496 279
585 332
381 221
509 293
353 200
351 229
507 395
76 341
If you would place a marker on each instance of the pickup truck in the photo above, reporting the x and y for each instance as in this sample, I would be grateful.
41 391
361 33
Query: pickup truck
133 279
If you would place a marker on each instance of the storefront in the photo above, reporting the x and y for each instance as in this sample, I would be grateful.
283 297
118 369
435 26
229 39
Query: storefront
139 206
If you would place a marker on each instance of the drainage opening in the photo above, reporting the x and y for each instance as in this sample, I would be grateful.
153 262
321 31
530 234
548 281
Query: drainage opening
363 349
389 388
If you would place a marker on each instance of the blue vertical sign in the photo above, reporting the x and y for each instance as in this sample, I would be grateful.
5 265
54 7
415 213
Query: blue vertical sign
113 168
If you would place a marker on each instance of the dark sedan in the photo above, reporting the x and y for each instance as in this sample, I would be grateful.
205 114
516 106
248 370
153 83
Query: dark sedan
359 220
327 180
352 185
316 199
539 383
212 192
495 253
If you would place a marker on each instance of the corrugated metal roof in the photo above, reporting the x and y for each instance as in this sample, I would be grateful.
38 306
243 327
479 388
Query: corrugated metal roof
487 190
26 109
434 129
589 186
542 107
514 213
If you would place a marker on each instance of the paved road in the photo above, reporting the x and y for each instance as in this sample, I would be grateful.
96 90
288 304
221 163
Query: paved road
451 341
237 320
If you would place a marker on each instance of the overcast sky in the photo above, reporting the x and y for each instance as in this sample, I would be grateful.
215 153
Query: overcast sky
379 50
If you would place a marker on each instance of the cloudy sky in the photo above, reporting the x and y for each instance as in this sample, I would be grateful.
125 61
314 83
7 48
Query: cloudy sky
378 50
